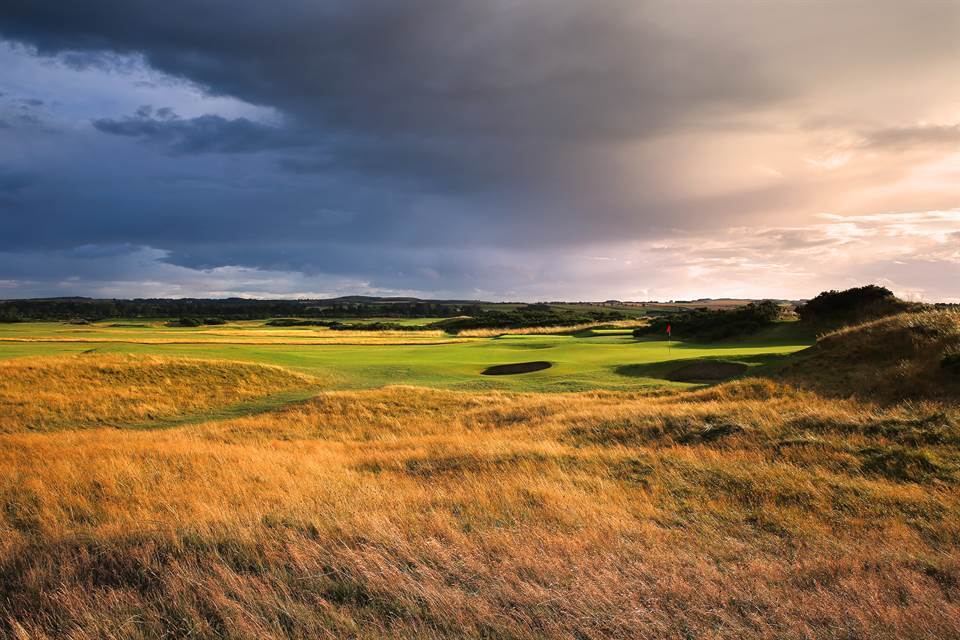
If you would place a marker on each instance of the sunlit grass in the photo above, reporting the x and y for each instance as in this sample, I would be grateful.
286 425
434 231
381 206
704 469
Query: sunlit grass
582 360
745 510
94 390
752 509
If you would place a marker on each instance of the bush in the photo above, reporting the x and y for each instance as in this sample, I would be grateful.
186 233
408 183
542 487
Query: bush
951 362
531 315
214 321
377 326
337 325
298 322
853 305
708 325
185 322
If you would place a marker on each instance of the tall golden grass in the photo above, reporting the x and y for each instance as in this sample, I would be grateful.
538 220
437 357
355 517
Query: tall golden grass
748 510
95 390
893 358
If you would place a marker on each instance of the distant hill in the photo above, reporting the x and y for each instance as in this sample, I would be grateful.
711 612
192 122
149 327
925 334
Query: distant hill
367 300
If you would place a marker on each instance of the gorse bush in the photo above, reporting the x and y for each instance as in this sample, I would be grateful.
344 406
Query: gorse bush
196 322
185 322
709 325
951 361
339 325
853 305
531 315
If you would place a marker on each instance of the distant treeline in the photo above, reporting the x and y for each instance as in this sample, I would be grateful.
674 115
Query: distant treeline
229 309
338 325
531 315
330 314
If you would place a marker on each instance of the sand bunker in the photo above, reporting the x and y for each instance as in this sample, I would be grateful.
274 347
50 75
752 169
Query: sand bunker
515 368
707 371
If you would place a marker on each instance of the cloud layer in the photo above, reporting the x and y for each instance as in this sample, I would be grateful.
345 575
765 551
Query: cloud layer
478 149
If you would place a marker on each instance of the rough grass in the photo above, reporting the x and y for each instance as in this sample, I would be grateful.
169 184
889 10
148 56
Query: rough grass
748 510
909 355
44 394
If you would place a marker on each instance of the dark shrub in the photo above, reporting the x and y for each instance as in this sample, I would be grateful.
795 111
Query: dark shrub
951 363
214 321
530 315
708 325
853 305
185 322
299 322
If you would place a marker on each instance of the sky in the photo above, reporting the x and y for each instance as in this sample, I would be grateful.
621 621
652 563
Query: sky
498 150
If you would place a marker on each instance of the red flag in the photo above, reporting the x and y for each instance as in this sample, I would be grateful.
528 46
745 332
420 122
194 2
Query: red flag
668 330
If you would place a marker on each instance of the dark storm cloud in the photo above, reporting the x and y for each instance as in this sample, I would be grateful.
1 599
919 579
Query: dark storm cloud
14 181
203 134
534 68
394 141
448 92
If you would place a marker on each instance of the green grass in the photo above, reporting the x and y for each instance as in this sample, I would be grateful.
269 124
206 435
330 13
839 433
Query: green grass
590 360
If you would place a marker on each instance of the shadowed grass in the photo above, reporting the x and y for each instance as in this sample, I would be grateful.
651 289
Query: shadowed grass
903 356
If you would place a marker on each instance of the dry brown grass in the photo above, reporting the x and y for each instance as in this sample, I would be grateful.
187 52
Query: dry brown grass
892 358
748 510
42 394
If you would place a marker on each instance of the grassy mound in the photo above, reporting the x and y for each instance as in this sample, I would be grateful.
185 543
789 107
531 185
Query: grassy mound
896 357
44 394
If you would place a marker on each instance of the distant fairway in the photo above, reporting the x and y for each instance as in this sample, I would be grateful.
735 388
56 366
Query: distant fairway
604 359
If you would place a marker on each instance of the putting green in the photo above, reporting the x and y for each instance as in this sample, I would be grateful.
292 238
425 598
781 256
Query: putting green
590 360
